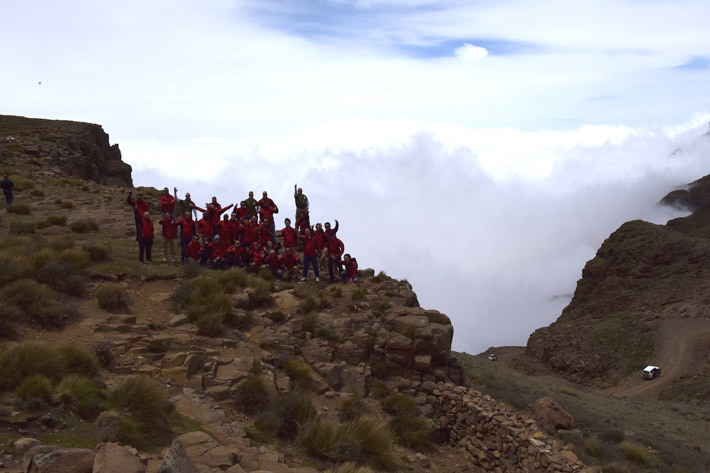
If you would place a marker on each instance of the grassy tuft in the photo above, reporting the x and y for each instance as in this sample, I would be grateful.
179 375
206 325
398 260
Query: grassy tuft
22 228
300 373
19 209
36 386
352 408
615 467
351 467
381 277
27 359
357 295
97 253
67 204
84 225
413 432
638 454
38 302
83 395
400 404
364 441
293 410
251 395
593 447
57 220
308 324
113 298
614 435
78 360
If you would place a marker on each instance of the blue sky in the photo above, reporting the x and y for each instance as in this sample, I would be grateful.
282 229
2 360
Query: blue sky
498 142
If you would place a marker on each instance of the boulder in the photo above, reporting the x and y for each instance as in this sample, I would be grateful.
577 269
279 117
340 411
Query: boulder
548 412
52 459
106 427
113 458
25 443
176 460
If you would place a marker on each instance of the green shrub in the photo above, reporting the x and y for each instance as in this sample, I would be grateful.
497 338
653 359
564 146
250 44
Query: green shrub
38 302
351 467
97 253
400 404
364 441
21 182
293 409
84 225
266 274
143 411
113 297
276 316
251 395
10 316
19 209
41 225
14 267
35 386
264 428
308 324
593 447
300 373
637 454
380 367
37 193
615 467
383 305
379 389
352 408
76 258
83 395
357 295
321 332
61 242
62 277
413 432
78 360
27 359
22 228
381 277
67 204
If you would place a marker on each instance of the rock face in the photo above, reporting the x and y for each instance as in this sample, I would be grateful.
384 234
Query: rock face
548 412
642 274
51 459
80 150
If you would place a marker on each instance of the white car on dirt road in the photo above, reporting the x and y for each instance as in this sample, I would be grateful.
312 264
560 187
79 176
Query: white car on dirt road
651 372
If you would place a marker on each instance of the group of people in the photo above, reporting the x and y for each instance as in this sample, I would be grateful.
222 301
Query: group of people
245 238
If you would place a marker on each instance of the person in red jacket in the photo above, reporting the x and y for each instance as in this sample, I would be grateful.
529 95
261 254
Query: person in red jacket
267 209
350 272
250 232
321 244
242 211
265 234
204 228
235 226
256 255
167 203
140 207
275 263
303 221
310 254
195 251
224 230
187 231
218 252
169 236
236 255
289 234
289 259
335 250
145 245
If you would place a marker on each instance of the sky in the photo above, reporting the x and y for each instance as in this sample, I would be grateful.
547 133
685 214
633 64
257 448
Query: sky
481 150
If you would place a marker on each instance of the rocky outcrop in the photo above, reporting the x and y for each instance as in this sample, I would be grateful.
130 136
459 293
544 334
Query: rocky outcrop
695 196
80 150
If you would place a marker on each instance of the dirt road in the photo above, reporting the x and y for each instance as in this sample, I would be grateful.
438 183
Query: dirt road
680 336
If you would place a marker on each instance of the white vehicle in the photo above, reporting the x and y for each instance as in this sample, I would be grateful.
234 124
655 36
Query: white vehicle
651 372
492 357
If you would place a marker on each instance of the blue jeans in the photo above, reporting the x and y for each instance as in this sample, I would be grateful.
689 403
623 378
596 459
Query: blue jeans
313 261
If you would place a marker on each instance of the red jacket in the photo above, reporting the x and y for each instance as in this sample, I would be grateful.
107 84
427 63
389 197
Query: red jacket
204 228
335 246
350 268
264 233
169 228
218 249
320 240
257 256
194 248
274 261
140 207
167 203
267 213
289 234
310 247
216 212
236 252
147 230
250 233
187 227
242 213
289 260
224 230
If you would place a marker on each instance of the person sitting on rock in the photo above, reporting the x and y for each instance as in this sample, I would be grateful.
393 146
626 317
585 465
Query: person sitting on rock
218 252
350 272
6 184
275 263
236 255
196 251
169 236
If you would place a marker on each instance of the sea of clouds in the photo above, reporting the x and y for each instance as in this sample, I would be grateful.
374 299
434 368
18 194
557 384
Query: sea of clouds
491 227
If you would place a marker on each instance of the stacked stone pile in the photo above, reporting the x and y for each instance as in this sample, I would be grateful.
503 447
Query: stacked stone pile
492 436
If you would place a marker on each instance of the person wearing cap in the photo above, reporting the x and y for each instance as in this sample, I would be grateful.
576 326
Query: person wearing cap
218 251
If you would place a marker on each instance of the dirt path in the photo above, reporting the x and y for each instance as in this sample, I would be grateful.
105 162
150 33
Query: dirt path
680 336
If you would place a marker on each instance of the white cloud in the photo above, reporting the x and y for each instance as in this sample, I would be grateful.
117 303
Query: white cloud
469 52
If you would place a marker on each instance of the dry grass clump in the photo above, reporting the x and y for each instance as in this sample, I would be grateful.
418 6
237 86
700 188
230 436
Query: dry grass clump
113 298
364 441
19 209
411 429
381 277
38 303
351 467
143 411
81 395
638 454
593 447
251 395
357 295
300 373
351 408
22 228
36 386
56 220
84 225
97 253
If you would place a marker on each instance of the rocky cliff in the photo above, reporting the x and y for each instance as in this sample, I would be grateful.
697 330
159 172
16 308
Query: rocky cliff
642 277
80 150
